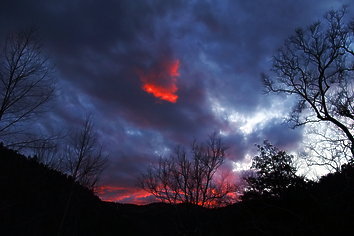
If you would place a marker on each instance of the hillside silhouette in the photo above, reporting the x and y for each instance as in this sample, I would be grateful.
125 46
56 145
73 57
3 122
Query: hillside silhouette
34 199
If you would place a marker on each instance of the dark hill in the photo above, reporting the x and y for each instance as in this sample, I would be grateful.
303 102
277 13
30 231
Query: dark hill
34 199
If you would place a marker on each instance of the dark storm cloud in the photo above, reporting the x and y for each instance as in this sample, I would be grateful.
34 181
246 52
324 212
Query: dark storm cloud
99 47
282 135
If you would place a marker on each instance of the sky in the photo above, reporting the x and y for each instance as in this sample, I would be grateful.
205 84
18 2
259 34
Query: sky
160 73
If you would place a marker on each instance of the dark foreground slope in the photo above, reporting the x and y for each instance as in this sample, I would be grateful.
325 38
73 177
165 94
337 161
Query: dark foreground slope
323 208
34 199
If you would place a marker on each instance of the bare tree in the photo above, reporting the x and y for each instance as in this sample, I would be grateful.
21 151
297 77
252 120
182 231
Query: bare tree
326 147
316 64
83 158
48 153
25 83
83 161
183 179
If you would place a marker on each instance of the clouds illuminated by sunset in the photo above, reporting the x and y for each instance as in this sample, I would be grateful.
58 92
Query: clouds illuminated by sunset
124 195
161 81
155 74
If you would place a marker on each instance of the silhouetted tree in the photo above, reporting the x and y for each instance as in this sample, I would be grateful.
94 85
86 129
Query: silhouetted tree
83 161
25 85
184 179
316 64
83 158
274 172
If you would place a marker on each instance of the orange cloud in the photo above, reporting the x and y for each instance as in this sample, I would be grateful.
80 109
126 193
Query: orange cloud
161 81
124 195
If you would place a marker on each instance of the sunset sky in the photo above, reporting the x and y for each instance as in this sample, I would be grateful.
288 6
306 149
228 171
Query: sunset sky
156 74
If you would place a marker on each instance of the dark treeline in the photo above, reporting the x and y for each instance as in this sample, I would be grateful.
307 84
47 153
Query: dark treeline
34 197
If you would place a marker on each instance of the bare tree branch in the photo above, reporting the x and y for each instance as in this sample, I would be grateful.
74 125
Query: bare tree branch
83 157
25 82
183 179
316 64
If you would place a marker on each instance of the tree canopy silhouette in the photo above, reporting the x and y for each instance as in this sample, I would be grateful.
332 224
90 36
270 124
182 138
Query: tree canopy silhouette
274 172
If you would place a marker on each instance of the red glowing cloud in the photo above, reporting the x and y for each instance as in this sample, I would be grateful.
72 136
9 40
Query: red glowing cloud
161 81
124 195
